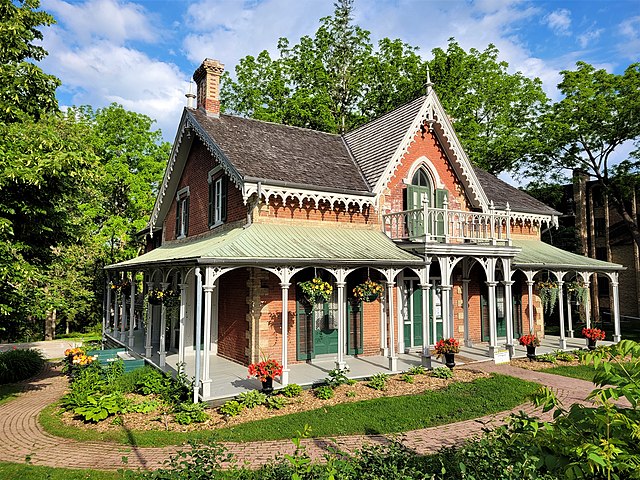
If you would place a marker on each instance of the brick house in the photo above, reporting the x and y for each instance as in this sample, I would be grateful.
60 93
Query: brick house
248 210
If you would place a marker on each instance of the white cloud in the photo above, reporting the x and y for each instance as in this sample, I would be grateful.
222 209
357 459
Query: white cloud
587 37
559 21
629 29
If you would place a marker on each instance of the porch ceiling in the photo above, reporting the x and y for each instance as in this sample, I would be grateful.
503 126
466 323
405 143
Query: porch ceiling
536 255
272 244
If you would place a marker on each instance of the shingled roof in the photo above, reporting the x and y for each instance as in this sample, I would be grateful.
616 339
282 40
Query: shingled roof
374 143
272 151
501 193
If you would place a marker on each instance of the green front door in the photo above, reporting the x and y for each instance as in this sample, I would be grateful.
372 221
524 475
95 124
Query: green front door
354 327
316 330
413 320
415 222
501 320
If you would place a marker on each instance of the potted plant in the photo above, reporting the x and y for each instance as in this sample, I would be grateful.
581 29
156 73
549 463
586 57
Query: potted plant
171 298
548 293
593 335
368 291
448 347
265 371
530 341
155 296
316 290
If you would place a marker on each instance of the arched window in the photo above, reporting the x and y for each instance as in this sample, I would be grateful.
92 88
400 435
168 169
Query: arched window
419 189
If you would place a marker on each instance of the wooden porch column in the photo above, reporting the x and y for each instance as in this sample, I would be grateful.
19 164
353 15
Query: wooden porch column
446 311
465 309
106 324
340 362
393 359
123 320
616 307
132 308
208 288
426 351
563 340
587 305
284 379
148 350
491 301
116 315
384 349
508 310
183 314
163 329
569 314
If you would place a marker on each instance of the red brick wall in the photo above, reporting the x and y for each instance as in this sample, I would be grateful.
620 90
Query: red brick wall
232 315
195 176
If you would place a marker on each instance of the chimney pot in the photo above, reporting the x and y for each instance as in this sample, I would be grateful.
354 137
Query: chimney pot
207 78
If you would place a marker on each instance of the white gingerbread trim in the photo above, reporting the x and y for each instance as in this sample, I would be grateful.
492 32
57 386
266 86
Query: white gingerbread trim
433 173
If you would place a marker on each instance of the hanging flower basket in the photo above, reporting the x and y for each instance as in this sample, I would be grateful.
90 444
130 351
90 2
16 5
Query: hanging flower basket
171 298
548 293
316 290
123 286
368 291
579 290
155 297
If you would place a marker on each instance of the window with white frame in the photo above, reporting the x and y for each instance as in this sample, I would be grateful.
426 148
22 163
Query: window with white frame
182 213
217 197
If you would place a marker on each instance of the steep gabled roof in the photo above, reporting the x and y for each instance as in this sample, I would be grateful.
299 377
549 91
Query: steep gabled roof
374 143
271 151
501 192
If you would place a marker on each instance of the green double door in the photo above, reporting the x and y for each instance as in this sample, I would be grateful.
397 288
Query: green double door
417 224
412 327
501 316
317 329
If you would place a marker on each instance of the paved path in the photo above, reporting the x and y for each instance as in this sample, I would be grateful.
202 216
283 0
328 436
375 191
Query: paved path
22 436
49 348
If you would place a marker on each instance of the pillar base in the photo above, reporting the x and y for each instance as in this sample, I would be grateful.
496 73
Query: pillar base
511 349
468 343
562 343
148 351
341 365
426 361
205 388
393 364
284 378
163 359
617 338
570 334
492 351
131 340
384 352
123 337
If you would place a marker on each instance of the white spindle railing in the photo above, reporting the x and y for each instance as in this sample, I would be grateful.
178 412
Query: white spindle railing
443 225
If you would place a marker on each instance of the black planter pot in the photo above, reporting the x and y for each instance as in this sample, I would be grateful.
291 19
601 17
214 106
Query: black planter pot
449 360
531 352
591 343
370 298
267 386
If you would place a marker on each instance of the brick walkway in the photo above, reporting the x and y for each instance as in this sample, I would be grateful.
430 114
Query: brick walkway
23 438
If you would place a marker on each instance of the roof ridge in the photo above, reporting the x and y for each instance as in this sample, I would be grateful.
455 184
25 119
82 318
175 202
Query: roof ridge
422 98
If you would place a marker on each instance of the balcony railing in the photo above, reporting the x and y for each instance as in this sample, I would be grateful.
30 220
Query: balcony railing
443 225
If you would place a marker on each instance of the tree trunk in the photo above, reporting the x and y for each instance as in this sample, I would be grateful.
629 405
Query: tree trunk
50 325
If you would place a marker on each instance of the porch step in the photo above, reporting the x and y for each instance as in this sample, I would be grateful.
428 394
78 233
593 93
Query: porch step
104 356
131 365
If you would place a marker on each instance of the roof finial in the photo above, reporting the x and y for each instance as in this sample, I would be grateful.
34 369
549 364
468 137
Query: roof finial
429 83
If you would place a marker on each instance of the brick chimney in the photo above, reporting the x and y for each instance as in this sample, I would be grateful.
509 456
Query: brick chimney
207 78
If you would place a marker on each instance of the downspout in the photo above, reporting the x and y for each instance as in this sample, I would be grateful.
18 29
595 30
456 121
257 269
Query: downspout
196 343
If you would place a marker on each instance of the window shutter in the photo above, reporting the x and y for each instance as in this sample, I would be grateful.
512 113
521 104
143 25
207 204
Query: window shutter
186 216
223 202
211 203
178 215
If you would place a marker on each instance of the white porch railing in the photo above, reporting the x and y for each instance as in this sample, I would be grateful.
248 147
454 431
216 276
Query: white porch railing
443 225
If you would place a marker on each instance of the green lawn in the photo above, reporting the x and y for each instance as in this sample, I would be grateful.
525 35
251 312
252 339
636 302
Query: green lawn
583 372
34 472
459 401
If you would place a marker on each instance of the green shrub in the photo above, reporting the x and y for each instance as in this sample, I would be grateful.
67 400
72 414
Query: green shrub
378 381
351 394
252 398
114 371
146 406
565 356
152 382
291 390
276 403
442 372
128 382
187 413
337 377
98 408
408 378
417 370
325 392
546 357
231 408
87 381
20 364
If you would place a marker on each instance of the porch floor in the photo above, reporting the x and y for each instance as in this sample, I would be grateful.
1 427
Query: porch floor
229 378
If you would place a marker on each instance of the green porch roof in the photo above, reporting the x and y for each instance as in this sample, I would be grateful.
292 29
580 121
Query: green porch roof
536 254
281 244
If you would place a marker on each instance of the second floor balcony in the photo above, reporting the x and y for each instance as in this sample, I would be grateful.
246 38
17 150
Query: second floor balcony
429 224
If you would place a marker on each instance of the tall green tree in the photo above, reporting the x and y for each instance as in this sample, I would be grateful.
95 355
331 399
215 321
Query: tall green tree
600 112
26 92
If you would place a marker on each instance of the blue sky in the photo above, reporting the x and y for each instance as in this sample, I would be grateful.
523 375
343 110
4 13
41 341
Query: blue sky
142 53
